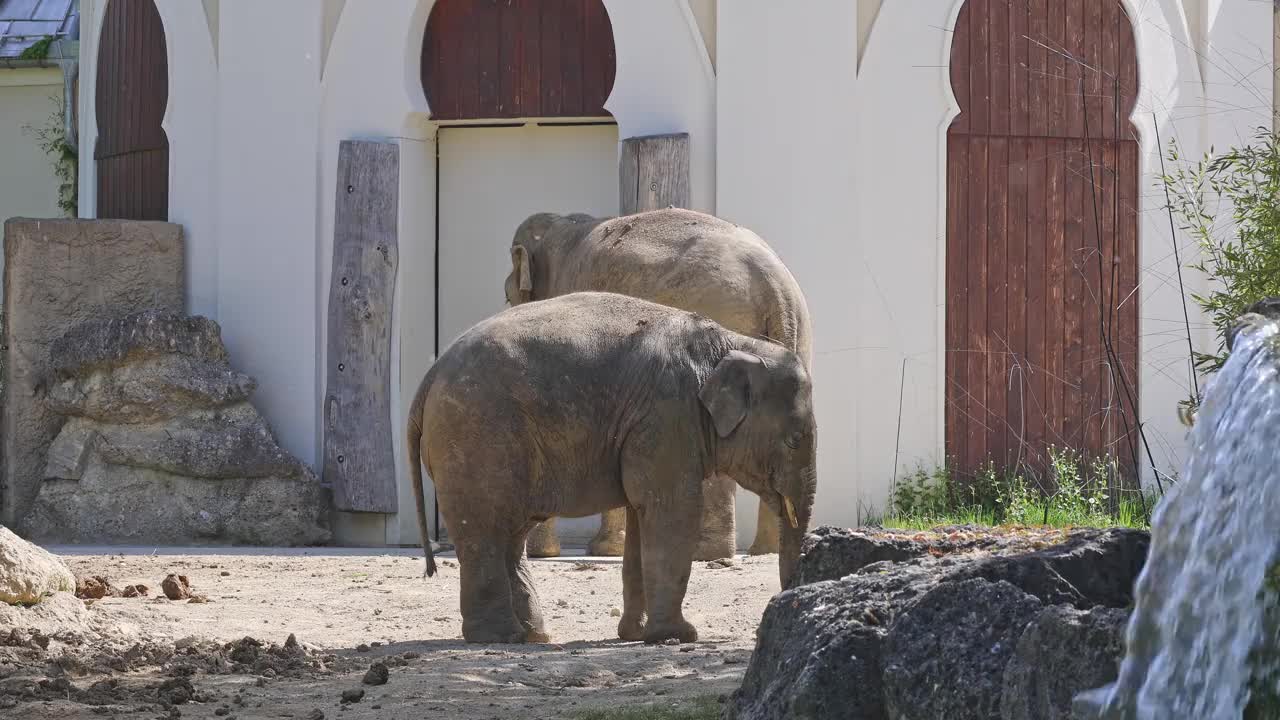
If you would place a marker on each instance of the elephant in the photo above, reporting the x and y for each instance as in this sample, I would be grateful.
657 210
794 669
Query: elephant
592 401
684 259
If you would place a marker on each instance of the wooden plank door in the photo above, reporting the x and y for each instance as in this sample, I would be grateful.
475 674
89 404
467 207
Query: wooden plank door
1042 234
132 151
487 59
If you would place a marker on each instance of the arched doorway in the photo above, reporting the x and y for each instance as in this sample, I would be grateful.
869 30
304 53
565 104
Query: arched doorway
132 151
517 90
522 58
1042 234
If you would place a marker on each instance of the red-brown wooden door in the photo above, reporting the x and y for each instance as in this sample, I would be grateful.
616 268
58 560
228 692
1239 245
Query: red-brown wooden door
486 59
1042 234
132 151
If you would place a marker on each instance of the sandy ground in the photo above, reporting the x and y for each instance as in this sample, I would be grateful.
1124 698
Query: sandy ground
340 600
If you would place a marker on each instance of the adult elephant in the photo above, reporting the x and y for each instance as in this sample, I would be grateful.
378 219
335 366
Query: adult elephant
593 401
687 260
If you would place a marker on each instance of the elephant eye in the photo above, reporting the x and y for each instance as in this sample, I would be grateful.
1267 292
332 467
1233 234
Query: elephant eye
793 441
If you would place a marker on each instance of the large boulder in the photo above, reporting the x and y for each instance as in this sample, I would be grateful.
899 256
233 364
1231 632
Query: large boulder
1063 652
28 573
161 443
943 632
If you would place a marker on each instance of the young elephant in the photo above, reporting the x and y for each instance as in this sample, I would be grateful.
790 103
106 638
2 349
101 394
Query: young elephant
685 259
593 401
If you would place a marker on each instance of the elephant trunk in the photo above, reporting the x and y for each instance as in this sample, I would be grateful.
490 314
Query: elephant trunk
792 533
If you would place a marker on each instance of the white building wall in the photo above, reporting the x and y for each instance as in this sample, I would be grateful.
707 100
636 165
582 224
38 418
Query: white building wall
841 169
28 186
268 92
785 113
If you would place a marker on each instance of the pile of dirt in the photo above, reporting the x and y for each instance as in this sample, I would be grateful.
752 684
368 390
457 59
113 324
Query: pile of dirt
65 649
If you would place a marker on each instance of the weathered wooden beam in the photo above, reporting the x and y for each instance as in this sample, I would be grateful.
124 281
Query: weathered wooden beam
359 460
654 173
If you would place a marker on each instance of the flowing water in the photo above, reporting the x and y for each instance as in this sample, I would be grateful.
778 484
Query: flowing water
1200 611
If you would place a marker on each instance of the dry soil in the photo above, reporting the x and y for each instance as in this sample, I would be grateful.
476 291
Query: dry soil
350 609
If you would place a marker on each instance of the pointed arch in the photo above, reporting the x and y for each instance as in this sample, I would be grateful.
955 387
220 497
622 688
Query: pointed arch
131 152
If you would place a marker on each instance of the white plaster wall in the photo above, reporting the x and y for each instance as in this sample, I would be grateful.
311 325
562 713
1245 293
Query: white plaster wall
190 122
785 113
28 186
268 92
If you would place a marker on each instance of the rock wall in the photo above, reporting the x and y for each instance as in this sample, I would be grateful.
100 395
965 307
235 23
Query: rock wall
57 275
161 444
957 625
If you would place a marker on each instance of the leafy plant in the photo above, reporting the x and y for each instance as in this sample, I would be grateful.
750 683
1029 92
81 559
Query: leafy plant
52 139
1230 205
38 50
1080 496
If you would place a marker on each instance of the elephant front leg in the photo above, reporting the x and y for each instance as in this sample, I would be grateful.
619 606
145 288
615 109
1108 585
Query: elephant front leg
767 532
543 541
666 559
610 540
719 536
631 626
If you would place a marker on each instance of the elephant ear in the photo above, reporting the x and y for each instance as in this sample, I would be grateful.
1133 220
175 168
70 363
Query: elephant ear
726 393
522 267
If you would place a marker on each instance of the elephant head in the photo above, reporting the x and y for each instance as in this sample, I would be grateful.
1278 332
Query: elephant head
761 406
538 244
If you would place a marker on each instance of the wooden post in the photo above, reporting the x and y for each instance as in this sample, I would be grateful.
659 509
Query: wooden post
654 173
359 462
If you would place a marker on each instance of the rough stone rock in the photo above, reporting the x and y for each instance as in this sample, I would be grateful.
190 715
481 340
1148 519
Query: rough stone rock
1063 652
150 333
176 587
852 647
162 445
116 504
95 587
57 275
154 389
830 553
377 674
28 572
945 657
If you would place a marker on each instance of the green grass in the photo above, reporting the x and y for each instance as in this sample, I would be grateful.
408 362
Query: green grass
703 708
1072 493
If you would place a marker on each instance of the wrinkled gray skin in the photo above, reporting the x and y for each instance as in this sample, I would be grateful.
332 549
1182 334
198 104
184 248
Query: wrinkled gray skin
592 401
681 258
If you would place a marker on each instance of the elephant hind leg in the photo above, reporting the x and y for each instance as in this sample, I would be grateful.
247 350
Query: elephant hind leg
488 615
631 626
524 596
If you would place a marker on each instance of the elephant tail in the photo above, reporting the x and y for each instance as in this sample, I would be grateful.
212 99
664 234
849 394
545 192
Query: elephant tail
415 468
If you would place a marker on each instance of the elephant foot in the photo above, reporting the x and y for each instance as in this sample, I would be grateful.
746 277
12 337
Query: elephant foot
611 539
494 633
715 549
536 636
607 546
681 630
631 628
543 541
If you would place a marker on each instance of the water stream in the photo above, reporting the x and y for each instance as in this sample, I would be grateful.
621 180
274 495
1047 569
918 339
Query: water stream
1200 611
